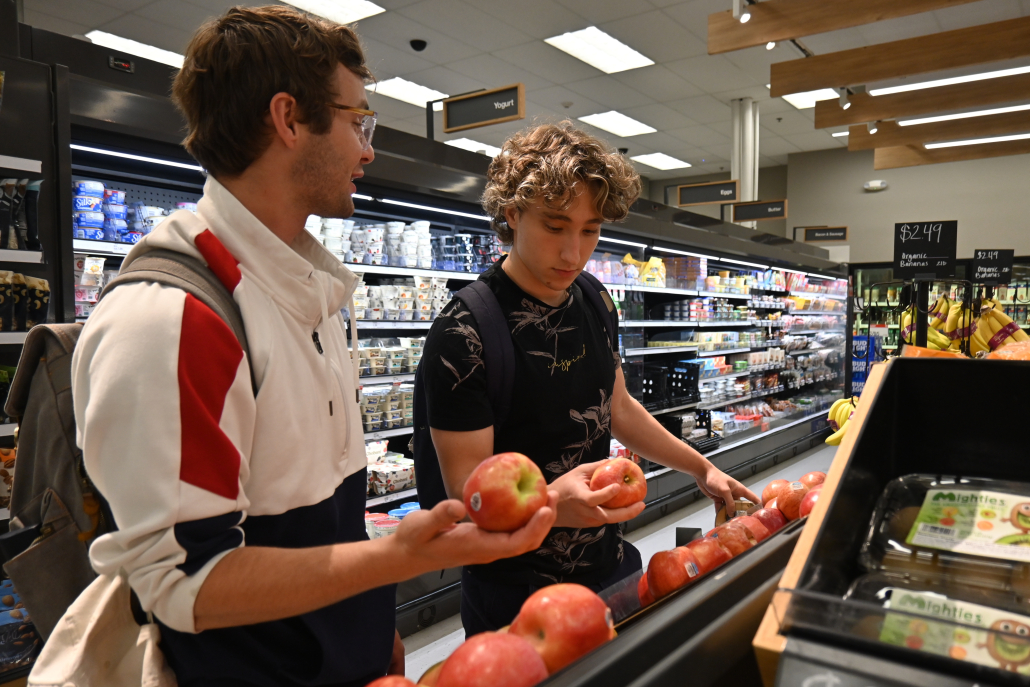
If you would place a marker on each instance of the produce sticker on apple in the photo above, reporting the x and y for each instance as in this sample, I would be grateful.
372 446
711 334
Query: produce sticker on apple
980 523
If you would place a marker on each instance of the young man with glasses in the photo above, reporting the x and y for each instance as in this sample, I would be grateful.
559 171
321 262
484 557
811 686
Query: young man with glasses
237 481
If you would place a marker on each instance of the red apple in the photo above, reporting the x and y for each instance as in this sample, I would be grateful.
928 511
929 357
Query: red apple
504 491
772 518
625 473
789 499
808 503
771 505
816 487
813 478
493 660
563 622
669 570
736 538
771 489
758 530
643 592
392 681
710 553
431 676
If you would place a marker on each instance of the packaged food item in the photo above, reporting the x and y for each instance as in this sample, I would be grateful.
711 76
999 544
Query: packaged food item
113 196
965 531
88 219
1019 350
92 272
370 523
87 204
384 528
88 188
37 302
20 299
115 211
114 229
8 458
192 207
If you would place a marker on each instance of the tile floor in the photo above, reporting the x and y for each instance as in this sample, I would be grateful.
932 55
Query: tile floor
436 643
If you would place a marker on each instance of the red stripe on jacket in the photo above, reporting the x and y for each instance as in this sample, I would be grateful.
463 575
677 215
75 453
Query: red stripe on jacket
209 358
220 260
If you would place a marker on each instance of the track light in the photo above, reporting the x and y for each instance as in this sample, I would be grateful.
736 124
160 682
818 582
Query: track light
745 17
740 11
770 45
871 126
844 102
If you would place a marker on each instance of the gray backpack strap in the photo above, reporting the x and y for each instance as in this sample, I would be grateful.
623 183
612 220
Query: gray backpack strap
181 271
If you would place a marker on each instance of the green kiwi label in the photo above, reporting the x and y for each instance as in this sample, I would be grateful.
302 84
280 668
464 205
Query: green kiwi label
957 629
981 523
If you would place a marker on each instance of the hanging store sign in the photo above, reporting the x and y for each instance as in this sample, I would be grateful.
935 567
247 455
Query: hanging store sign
763 209
815 234
707 193
925 250
484 108
992 267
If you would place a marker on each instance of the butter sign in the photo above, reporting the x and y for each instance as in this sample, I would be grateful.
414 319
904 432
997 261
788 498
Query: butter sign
484 108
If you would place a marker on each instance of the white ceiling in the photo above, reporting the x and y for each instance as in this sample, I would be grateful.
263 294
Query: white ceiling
477 44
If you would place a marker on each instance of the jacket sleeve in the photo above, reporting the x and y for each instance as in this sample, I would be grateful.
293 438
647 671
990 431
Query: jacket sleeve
165 415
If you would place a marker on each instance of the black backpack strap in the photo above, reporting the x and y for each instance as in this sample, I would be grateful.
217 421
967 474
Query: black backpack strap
598 297
498 349
181 271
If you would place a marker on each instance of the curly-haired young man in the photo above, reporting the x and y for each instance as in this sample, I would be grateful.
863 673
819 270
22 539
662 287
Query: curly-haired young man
548 192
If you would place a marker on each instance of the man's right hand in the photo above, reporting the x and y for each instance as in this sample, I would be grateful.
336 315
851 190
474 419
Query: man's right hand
436 539
580 507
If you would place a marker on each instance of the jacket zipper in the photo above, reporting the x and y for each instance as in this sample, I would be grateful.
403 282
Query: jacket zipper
318 347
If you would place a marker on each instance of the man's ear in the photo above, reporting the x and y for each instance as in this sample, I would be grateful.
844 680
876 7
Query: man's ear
282 111
512 215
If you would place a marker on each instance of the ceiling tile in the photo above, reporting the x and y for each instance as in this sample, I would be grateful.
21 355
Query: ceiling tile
661 117
658 83
813 140
124 5
447 80
463 21
723 127
82 12
693 15
703 108
55 24
760 94
610 92
662 142
600 11
783 123
654 35
699 135
177 14
396 30
139 29
755 61
538 18
218 6
713 73
395 4
392 110
546 61
386 61
897 29
494 70
774 145
978 13
553 97
845 39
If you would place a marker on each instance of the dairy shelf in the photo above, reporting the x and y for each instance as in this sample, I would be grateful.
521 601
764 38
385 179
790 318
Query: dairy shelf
386 379
394 324
655 350
13 337
731 375
728 351
105 248
714 294
7 430
30 256
803 294
390 498
723 404
387 433
813 331
816 312
674 409
21 164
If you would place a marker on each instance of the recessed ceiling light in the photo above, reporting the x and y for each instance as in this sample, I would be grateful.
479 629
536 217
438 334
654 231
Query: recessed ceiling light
770 45
949 82
598 49
963 115
978 141
475 146
840 133
806 100
408 91
660 161
340 11
127 45
618 124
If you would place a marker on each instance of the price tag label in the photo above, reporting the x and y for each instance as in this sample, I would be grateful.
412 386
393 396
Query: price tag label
992 267
925 250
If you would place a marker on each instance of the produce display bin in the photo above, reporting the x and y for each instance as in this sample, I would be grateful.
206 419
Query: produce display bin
895 432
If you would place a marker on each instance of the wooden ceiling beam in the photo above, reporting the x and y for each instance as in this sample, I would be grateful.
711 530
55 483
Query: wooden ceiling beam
912 156
890 134
1003 40
780 20
868 108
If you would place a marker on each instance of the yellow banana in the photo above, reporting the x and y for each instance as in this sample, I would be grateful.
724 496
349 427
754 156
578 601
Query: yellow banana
832 415
1004 320
835 438
939 313
953 314
977 343
844 413
997 324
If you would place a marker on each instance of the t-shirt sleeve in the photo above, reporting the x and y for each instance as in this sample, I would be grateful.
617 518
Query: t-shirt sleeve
457 399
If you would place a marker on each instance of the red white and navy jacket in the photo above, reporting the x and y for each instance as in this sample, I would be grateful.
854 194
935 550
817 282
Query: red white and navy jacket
195 465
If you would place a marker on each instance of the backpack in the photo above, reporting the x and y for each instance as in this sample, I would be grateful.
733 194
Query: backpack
499 366
56 510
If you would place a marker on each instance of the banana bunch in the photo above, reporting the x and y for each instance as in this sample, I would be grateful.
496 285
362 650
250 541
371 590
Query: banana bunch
939 313
839 417
959 319
934 339
993 320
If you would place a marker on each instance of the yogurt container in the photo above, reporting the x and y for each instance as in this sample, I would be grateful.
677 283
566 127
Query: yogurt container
192 207
113 196
144 211
132 237
115 211
90 234
88 220
398 513
384 528
87 203
114 228
370 523
89 188
411 505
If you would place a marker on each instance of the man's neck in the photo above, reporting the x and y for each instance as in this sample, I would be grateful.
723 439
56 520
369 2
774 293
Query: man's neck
269 199
524 279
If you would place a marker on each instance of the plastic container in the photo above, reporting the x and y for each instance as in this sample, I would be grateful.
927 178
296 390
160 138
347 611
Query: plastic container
82 203
114 196
370 522
89 188
88 219
398 513
411 505
115 211
384 528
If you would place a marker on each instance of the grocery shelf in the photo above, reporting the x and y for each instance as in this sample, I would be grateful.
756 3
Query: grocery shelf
737 444
814 331
651 289
767 392
386 379
32 256
714 294
728 351
722 404
394 324
805 351
768 367
107 248
889 326
674 409
804 294
387 433
655 350
817 312
410 272
21 164
657 323
726 376
390 498
7 430
13 337
727 323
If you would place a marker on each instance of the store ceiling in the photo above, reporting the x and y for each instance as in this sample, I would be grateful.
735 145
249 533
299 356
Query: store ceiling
477 44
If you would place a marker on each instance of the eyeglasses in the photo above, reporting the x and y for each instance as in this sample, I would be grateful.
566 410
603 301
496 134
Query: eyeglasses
368 122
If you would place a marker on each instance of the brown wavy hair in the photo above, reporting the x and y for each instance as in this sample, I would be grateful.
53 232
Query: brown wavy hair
236 63
545 162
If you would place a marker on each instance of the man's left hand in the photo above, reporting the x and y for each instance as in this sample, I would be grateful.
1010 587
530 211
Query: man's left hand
723 489
397 658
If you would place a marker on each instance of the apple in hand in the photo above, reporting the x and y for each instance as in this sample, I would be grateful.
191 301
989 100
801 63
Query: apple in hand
563 622
789 499
669 570
772 489
392 681
504 491
813 478
772 518
491 659
625 473
710 553
430 677
643 592
735 538
808 502
758 530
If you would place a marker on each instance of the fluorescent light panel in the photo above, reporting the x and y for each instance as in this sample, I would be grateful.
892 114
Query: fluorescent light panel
683 252
840 133
823 276
599 50
660 161
475 146
340 11
624 243
127 45
964 115
407 91
949 82
741 262
140 158
432 209
807 99
361 196
978 141
617 123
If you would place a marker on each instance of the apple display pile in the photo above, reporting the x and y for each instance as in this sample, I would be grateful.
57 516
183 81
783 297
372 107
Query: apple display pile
783 502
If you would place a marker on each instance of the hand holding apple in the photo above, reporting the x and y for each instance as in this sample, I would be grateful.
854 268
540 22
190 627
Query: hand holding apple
563 622
579 506
504 491
625 473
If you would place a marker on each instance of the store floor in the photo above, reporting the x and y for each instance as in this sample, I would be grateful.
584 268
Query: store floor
436 643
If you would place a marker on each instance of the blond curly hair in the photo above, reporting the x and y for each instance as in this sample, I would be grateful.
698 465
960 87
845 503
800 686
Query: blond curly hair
545 162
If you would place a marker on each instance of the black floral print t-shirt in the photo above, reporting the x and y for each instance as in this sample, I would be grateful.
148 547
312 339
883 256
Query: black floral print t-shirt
560 414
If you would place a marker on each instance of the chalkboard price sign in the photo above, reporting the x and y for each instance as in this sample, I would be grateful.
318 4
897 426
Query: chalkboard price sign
992 267
925 250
